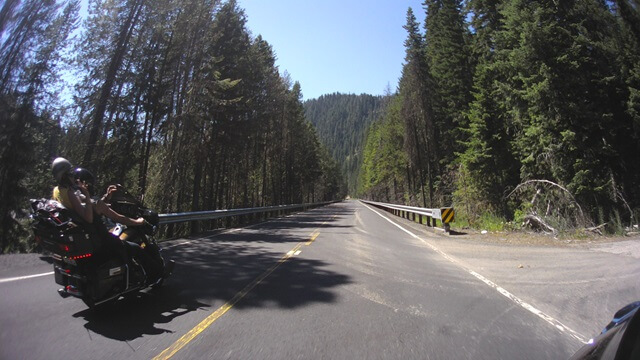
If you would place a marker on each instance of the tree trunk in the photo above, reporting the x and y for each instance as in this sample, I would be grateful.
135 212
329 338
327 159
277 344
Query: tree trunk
114 65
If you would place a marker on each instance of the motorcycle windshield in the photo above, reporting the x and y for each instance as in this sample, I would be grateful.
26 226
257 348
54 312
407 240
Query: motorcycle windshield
121 195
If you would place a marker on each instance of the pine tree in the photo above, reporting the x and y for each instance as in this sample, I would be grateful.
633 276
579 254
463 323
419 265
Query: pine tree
563 95
488 166
416 92
629 11
383 173
33 35
450 73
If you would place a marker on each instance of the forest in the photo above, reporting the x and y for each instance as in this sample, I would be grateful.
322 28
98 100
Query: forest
174 99
515 112
341 121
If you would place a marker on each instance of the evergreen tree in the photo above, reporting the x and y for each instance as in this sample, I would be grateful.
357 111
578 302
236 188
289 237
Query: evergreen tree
629 11
450 73
488 168
416 94
383 173
33 34
341 121
563 96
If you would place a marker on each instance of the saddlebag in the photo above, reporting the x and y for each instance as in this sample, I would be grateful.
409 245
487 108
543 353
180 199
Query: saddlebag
58 229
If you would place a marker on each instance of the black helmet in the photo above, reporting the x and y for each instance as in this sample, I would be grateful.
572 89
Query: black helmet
60 167
84 175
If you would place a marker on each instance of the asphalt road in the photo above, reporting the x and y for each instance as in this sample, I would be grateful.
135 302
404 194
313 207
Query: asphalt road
339 282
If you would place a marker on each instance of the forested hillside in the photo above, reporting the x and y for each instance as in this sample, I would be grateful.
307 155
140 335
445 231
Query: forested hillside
176 100
341 121
531 110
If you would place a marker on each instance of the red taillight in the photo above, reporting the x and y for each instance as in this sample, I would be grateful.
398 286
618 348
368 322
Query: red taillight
64 247
80 256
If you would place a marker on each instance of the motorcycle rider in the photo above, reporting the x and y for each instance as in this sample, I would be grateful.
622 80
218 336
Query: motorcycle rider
74 194
85 177
101 207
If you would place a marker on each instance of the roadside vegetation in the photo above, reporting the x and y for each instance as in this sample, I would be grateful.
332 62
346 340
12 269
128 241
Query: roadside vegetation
517 113
176 100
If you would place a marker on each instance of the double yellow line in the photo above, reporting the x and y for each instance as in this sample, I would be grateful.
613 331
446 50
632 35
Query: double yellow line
204 324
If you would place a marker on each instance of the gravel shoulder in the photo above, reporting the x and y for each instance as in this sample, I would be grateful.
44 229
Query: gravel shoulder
580 282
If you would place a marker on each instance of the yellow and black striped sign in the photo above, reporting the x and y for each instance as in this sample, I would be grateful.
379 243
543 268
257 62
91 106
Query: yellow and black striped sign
447 215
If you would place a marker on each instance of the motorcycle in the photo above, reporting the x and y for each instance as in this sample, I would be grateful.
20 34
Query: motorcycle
81 266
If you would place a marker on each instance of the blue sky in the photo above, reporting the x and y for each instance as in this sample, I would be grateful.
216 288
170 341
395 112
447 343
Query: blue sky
348 46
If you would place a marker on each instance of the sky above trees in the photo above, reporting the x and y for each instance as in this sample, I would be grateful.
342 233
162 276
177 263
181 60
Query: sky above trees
348 46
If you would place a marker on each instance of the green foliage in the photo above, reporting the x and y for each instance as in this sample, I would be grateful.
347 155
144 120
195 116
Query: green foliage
32 37
177 101
487 165
341 121
527 90
382 175
450 74
564 97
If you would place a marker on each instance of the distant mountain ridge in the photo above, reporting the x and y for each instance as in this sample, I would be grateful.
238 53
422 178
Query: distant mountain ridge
341 121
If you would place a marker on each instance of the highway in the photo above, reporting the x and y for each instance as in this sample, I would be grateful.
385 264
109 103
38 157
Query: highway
344 281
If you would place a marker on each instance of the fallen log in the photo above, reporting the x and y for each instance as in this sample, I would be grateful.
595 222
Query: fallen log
533 219
596 229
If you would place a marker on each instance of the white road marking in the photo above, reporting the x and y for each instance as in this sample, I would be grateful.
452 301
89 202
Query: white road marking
25 277
555 323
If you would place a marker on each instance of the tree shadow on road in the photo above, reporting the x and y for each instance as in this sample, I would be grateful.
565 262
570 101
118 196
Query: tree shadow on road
210 273
219 270
140 314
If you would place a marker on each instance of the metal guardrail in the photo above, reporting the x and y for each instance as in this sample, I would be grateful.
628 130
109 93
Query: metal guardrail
173 218
445 215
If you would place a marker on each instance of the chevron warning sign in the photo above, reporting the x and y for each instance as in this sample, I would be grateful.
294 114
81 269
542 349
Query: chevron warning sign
447 215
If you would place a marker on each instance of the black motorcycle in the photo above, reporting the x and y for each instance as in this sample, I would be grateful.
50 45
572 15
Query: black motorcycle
81 265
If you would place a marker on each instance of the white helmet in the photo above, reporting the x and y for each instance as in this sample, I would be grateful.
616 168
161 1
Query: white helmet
60 167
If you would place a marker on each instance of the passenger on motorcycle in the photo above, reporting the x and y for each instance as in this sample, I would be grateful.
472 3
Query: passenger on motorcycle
65 193
73 193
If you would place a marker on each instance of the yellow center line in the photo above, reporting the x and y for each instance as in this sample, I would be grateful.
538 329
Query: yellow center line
204 324
313 238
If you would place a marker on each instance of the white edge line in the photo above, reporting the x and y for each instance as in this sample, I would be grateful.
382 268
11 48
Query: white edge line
24 277
555 323
226 231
